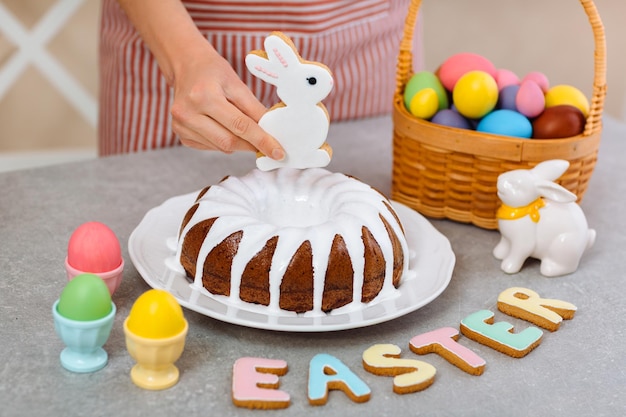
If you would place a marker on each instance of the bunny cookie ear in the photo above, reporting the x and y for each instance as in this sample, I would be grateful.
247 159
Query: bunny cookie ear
281 50
280 53
261 67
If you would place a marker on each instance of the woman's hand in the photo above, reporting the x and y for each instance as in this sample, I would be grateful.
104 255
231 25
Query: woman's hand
213 108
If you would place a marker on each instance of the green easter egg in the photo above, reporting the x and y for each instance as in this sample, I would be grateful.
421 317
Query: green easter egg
424 104
85 298
422 80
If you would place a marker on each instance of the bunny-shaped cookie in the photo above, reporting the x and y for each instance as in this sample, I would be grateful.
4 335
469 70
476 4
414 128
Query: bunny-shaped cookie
540 219
300 122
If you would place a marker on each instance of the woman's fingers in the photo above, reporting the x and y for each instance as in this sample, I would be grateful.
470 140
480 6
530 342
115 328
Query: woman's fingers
210 119
195 131
245 127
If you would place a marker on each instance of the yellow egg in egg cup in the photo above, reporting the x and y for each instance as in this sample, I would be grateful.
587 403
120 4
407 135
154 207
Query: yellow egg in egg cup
155 357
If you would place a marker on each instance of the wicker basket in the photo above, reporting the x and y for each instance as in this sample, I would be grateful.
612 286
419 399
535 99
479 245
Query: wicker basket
445 172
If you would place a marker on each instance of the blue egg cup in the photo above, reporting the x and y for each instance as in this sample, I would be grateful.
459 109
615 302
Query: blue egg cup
84 341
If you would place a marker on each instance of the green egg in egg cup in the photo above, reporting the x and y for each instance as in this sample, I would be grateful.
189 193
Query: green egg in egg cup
83 317
155 333
83 340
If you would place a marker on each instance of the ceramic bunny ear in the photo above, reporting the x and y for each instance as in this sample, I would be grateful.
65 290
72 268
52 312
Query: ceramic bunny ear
551 169
548 171
555 192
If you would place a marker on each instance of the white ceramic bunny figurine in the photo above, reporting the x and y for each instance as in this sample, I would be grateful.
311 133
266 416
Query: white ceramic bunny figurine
540 219
300 122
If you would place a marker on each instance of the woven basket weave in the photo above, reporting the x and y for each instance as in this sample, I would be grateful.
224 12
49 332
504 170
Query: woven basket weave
445 172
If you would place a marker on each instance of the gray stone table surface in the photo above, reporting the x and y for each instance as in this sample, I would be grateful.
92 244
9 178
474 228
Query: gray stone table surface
578 370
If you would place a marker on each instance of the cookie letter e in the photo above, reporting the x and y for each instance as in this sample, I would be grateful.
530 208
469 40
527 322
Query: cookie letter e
255 383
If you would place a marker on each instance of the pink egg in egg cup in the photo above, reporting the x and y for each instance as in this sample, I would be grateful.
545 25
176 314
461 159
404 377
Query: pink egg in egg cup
111 278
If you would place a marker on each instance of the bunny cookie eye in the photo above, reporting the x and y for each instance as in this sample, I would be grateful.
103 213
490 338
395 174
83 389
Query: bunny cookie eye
312 80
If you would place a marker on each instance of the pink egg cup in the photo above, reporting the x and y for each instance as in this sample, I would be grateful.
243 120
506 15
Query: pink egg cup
111 278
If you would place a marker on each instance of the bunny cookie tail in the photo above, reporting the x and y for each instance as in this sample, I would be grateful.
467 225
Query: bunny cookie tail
326 147
318 159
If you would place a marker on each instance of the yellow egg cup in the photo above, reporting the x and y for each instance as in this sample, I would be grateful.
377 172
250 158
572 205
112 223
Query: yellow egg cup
155 369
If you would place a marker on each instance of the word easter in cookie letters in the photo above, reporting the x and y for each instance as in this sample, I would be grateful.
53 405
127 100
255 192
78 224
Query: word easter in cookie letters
256 381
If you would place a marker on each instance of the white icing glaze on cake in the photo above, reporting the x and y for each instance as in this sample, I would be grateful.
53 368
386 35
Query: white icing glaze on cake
296 205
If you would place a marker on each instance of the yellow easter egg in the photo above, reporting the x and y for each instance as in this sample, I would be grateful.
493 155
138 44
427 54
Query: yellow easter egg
424 104
156 315
475 94
422 80
567 95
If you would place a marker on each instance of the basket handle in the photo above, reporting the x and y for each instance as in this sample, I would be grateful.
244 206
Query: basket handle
404 68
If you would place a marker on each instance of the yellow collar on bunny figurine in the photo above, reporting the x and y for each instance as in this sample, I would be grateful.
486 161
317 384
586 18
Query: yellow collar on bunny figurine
512 213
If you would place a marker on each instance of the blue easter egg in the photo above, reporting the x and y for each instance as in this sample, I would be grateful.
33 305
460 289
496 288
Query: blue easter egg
451 118
506 123
506 99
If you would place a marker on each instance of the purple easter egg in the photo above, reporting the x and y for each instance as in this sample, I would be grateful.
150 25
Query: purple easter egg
506 99
450 118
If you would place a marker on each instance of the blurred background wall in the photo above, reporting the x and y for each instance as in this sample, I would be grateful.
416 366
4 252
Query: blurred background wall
48 61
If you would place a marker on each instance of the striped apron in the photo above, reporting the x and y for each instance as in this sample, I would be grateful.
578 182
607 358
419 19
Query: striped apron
357 39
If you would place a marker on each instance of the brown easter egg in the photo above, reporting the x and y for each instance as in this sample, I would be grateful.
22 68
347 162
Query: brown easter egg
558 122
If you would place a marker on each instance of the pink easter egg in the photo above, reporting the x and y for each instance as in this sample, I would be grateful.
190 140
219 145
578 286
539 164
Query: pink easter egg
93 247
530 100
458 65
540 78
505 78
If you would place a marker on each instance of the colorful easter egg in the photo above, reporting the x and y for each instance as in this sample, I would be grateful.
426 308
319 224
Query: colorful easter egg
156 315
451 118
424 104
93 247
475 94
559 122
425 80
505 78
530 100
540 78
567 95
506 123
460 64
506 98
85 298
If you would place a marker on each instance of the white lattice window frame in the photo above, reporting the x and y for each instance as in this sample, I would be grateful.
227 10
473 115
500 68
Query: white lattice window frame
31 49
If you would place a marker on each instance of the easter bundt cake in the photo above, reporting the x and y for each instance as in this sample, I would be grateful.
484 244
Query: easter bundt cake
291 239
